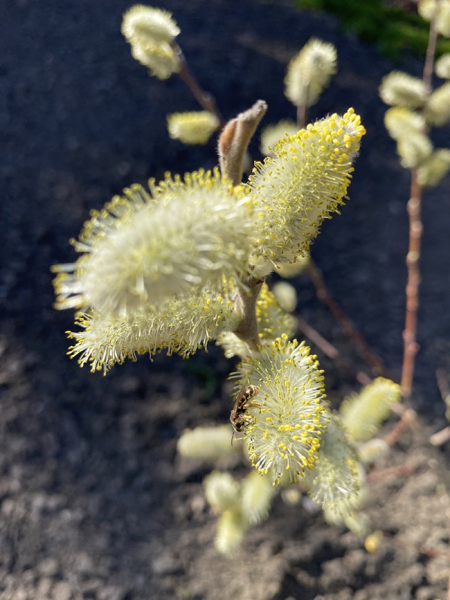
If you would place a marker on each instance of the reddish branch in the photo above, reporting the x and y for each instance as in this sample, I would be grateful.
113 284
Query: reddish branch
205 99
415 236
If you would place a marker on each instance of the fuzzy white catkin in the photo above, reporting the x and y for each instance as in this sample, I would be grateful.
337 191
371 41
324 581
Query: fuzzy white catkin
286 295
437 111
193 128
430 173
334 481
400 89
370 451
221 491
230 532
257 492
206 443
427 9
401 122
161 60
309 72
293 269
442 66
144 248
414 149
363 413
144 24
150 32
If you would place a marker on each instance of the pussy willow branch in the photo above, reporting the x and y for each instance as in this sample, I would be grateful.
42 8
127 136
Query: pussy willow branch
205 99
331 351
347 326
233 144
415 237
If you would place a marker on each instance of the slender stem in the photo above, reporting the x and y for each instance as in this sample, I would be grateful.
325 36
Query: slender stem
331 351
412 287
431 51
408 418
302 115
401 470
347 326
247 330
205 99
415 237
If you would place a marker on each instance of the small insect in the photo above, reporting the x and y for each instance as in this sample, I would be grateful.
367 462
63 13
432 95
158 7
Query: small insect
239 417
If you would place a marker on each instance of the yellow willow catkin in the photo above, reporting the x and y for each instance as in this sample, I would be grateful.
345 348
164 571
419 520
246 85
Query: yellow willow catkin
363 413
289 414
145 247
302 185
192 127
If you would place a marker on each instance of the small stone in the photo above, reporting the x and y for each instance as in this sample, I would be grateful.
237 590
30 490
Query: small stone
62 591
43 588
112 592
355 561
334 576
437 570
49 567
165 565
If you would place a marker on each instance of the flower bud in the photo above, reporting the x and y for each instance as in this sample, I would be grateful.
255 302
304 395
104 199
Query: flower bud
442 66
206 443
273 135
192 127
221 491
400 89
309 72
401 122
437 111
363 413
427 10
430 173
286 295
289 414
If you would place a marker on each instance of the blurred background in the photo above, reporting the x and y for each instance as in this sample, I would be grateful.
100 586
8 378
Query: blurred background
94 502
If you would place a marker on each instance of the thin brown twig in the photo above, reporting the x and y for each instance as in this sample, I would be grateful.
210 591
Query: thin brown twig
347 326
408 418
331 351
442 436
205 99
399 471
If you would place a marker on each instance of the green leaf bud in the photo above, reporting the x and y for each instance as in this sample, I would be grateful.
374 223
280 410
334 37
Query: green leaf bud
427 9
257 492
437 111
221 491
192 127
400 89
401 122
442 66
143 248
309 72
230 532
289 413
430 173
363 413
286 295
306 181
206 443
274 134
414 149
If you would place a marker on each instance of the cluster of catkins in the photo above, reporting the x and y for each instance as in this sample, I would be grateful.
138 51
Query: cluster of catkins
166 268
415 108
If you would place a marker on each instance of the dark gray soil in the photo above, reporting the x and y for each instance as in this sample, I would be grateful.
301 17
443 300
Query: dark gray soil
94 502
